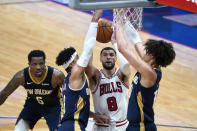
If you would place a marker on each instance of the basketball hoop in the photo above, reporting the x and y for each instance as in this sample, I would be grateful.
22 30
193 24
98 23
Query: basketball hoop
131 15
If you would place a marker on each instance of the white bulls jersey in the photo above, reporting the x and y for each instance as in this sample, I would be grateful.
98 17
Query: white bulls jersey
110 98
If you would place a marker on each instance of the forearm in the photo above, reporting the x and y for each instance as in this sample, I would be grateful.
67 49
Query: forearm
90 40
132 34
11 86
125 67
140 49
89 44
124 47
3 97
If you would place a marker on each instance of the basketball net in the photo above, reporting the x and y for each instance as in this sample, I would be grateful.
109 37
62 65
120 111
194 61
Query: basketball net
132 15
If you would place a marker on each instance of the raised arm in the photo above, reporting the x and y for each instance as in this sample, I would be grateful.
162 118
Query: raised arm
148 74
91 71
13 84
77 74
134 38
125 68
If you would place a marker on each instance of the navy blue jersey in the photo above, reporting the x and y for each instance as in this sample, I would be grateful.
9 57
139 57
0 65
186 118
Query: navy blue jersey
76 107
42 92
140 108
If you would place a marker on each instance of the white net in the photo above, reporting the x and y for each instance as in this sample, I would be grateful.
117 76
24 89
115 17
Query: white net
133 15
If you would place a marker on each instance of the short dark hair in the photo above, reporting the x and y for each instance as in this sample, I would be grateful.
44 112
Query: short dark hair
162 51
108 48
65 56
36 53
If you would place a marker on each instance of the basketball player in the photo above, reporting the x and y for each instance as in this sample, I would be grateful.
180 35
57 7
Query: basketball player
75 90
109 88
42 84
145 84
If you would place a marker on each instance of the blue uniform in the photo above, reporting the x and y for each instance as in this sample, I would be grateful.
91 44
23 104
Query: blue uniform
140 109
76 107
42 100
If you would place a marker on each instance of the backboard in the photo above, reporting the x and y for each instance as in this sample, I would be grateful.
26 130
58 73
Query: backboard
109 4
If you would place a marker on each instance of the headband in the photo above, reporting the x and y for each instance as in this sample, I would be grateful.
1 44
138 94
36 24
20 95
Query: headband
66 64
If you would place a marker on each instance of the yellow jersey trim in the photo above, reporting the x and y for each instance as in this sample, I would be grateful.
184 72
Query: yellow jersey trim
45 75
80 105
140 104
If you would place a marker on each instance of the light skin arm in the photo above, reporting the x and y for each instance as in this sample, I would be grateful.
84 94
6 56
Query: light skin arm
13 84
148 75
140 49
125 64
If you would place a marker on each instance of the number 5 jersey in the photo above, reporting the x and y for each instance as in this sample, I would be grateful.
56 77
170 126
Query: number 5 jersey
42 93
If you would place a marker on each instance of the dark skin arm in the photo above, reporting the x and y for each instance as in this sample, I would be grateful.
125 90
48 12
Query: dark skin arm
99 118
91 71
13 84
57 78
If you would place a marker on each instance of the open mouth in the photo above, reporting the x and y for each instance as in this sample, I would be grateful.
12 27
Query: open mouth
108 62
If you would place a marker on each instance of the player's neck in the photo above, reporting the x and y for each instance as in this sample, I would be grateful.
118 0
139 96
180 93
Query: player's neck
36 78
109 72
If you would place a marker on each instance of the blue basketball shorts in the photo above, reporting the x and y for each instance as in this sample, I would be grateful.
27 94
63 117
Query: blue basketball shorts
33 111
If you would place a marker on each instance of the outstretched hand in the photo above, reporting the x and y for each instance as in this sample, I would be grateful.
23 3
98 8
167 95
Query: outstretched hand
97 15
121 38
101 119
132 33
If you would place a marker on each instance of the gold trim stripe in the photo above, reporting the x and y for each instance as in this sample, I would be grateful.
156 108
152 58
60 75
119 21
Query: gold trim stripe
140 104
45 75
80 105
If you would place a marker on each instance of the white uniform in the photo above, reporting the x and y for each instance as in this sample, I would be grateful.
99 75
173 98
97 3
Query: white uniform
110 98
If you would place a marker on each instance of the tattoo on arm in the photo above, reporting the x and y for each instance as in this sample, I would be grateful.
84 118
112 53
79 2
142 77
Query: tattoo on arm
11 86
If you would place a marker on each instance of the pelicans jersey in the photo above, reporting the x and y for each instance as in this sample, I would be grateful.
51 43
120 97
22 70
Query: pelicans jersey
42 92
140 109
110 98
42 100
76 107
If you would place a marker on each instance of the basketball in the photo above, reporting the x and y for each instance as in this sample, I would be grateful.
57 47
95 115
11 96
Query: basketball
104 31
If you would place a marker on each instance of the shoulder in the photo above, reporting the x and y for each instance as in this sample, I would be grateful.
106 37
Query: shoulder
57 73
19 74
19 77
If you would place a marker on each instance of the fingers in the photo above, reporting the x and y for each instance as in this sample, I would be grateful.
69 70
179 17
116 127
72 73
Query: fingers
102 119
97 15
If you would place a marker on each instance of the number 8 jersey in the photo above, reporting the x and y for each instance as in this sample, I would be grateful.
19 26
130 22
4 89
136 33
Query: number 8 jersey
110 98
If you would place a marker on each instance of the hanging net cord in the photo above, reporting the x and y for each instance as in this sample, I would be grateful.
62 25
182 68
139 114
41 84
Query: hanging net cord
133 15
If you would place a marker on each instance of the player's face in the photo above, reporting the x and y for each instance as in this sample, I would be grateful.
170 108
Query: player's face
37 66
108 59
74 62
147 57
